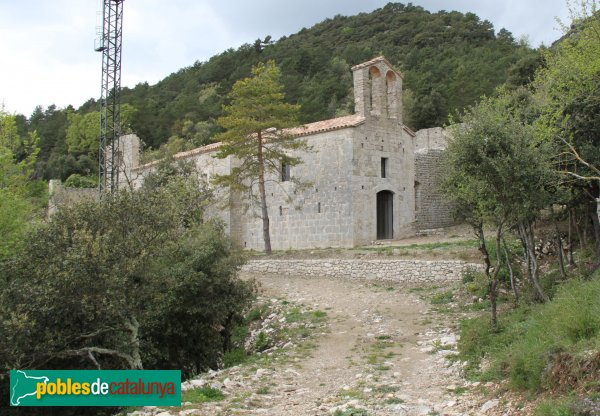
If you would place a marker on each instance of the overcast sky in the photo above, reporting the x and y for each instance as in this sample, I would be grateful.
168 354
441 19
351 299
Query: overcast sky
47 55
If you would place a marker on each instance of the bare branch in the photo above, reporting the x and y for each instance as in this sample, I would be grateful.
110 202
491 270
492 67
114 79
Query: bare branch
581 160
86 351
91 355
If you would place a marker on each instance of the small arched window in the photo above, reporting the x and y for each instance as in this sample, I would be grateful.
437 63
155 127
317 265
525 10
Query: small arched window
373 74
392 96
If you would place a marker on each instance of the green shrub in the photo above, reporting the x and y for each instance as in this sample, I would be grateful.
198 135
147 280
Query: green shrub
352 412
479 285
262 341
442 297
79 181
234 357
468 275
137 273
554 408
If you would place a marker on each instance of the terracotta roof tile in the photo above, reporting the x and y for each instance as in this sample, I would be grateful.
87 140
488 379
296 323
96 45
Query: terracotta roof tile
326 125
304 130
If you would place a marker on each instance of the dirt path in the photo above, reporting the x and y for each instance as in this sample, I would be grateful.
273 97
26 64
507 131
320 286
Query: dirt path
378 354
384 351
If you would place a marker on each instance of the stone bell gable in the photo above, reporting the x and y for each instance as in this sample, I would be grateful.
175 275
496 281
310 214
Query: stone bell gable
377 89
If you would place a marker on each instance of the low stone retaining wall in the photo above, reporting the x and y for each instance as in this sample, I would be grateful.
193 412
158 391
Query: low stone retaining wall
409 271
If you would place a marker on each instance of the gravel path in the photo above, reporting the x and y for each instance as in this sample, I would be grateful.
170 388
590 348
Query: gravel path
379 354
385 352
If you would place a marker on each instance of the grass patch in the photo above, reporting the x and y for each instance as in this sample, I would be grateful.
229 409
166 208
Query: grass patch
352 412
441 298
459 390
353 393
318 315
428 246
202 395
386 389
257 313
554 408
394 400
540 346
234 357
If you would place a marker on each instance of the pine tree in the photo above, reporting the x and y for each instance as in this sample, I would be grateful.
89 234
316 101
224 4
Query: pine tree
254 126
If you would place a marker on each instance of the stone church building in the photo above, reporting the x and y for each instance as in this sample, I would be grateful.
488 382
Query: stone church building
371 177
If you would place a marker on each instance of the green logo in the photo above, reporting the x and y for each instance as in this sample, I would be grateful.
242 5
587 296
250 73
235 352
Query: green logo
95 388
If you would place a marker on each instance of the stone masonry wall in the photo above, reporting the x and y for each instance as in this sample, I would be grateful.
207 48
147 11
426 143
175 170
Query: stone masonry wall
393 270
432 209
320 215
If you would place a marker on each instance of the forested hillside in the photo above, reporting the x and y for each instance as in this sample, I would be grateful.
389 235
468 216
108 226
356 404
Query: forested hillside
449 60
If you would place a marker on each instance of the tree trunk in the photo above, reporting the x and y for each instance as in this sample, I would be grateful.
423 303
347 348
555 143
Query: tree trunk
570 238
482 249
527 239
561 256
513 283
134 328
596 224
263 195
559 247
494 280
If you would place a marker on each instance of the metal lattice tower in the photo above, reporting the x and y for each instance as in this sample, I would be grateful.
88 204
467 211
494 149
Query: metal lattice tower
109 43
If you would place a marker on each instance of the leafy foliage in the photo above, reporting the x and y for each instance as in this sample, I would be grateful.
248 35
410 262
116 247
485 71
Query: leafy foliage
19 195
495 168
257 106
133 280
78 181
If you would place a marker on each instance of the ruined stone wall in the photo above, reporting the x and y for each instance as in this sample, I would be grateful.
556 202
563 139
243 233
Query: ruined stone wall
432 209
401 271
60 196
433 138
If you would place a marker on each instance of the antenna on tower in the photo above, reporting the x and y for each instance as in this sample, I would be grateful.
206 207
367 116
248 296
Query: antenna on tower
109 42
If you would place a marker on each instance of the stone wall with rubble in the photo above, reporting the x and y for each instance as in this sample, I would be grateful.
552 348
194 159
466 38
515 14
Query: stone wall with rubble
392 270
432 209
61 196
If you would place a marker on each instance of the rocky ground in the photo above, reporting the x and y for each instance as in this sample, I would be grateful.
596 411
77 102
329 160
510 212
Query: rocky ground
371 350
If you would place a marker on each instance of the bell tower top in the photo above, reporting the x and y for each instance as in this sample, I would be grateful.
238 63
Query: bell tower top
377 89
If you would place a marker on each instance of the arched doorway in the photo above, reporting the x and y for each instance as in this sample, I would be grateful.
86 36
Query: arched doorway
385 215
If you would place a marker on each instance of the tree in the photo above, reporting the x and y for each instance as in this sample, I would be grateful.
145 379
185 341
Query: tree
16 207
568 88
135 280
498 174
254 123
83 130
